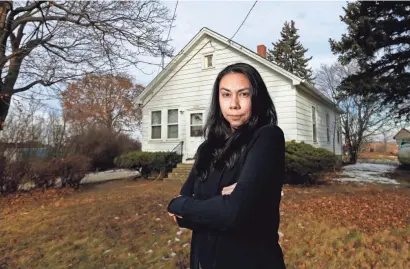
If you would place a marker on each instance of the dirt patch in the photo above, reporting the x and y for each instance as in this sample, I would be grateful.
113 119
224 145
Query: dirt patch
401 174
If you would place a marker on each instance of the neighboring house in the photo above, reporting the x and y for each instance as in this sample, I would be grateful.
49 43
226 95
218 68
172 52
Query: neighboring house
17 151
175 103
403 136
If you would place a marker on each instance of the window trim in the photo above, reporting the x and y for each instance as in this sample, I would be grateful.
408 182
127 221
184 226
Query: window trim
173 124
201 125
204 65
155 125
338 136
328 127
314 124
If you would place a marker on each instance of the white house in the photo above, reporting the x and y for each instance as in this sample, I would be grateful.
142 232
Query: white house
175 103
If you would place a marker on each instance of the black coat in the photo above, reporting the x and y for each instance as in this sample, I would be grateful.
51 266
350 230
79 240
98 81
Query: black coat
237 231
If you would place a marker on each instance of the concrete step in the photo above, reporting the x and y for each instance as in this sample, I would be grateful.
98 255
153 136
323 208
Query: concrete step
182 170
185 165
174 177
176 174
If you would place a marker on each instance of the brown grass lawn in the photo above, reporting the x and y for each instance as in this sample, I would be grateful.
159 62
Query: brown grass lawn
124 224
377 155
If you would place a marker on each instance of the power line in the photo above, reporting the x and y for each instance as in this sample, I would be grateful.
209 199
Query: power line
244 20
172 21
169 34
240 26
209 42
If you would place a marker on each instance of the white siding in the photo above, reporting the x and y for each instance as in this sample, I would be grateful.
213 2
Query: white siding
190 87
304 103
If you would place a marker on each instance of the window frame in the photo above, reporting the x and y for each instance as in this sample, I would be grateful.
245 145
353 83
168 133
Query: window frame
205 63
156 125
173 124
314 123
191 125
328 127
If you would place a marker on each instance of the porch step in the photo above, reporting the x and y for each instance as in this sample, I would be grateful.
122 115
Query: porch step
181 172
184 165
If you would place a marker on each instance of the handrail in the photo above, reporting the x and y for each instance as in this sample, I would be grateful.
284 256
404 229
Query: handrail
181 150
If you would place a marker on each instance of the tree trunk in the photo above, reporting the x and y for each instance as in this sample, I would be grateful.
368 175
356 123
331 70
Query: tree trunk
4 110
353 155
334 134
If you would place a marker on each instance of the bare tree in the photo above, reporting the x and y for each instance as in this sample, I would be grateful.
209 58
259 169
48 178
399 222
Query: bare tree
55 134
46 42
25 127
364 116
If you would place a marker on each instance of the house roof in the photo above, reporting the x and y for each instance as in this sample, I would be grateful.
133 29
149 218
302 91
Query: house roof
297 81
403 130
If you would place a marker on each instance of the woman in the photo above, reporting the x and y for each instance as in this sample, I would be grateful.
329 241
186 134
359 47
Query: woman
232 195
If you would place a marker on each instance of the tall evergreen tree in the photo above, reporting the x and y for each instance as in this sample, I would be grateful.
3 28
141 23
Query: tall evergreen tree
289 53
378 38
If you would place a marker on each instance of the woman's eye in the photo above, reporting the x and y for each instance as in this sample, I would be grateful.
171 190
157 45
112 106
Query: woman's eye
245 94
225 94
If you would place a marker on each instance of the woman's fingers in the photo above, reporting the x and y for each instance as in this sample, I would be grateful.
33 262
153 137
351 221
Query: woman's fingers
228 190
174 217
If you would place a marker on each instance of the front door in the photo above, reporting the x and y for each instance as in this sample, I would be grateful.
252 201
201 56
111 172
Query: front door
194 137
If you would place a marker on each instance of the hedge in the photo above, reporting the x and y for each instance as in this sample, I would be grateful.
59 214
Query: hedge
304 160
43 172
149 162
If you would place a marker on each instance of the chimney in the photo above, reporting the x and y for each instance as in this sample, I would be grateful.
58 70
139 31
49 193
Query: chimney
262 50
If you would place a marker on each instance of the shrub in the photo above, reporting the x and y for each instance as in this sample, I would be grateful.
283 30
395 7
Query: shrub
149 161
45 172
102 146
303 160
74 169
11 175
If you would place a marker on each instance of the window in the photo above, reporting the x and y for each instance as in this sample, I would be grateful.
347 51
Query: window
196 124
327 128
173 123
156 125
314 124
208 61
338 136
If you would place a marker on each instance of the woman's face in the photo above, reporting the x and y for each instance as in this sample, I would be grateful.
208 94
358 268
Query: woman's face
235 98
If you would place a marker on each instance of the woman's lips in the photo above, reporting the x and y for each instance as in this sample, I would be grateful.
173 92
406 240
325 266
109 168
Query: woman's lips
235 116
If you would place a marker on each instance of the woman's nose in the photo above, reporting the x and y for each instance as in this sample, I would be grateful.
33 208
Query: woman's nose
234 104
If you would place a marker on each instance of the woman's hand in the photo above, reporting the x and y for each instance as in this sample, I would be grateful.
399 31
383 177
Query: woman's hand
174 217
228 190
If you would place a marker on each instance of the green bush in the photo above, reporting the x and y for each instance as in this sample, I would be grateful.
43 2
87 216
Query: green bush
304 160
149 162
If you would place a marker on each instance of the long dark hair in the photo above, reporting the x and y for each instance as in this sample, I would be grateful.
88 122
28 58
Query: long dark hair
222 147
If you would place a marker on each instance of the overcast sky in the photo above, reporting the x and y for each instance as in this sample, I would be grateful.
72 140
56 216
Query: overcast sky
317 21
